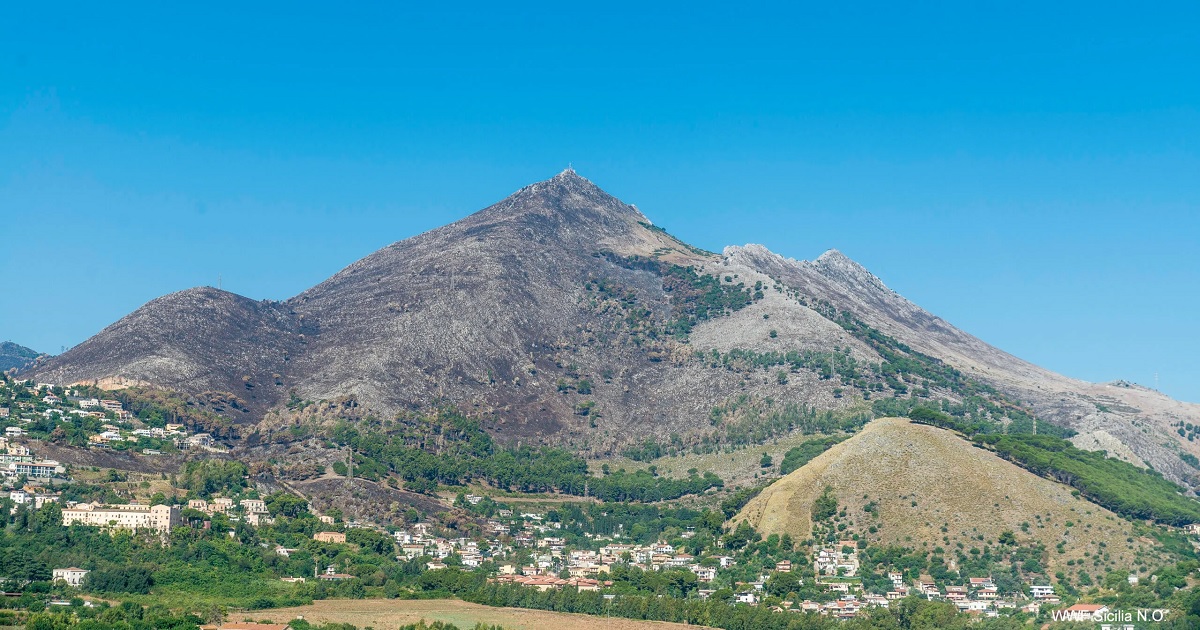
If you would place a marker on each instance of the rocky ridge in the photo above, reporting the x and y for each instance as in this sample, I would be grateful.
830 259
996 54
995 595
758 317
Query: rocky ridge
563 315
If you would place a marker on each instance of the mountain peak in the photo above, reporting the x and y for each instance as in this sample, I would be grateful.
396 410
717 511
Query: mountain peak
566 200
568 180
835 258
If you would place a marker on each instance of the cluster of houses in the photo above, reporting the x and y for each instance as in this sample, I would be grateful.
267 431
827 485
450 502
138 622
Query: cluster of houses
16 460
840 560
253 510
31 495
54 406
545 583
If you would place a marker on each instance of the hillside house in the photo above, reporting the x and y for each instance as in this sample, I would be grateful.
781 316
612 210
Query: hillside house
331 575
330 537
200 440
749 597
44 469
1083 612
1041 592
705 574
253 506
72 576
980 582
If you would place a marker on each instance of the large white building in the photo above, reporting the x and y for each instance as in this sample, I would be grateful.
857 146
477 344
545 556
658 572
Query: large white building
134 516
44 469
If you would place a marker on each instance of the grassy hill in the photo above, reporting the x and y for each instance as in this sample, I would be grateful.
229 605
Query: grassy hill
899 483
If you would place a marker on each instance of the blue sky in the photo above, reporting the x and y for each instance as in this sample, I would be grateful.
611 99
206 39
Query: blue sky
1029 172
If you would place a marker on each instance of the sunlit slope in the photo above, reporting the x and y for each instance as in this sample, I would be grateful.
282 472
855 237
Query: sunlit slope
931 488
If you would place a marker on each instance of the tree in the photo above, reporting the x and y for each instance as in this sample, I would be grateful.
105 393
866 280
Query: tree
825 506
286 504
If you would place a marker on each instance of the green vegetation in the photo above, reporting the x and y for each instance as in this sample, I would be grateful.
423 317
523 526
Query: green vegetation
695 296
1119 486
207 477
128 616
806 452
825 506
738 500
450 448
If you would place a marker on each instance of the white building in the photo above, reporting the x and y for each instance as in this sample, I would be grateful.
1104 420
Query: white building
134 516
73 576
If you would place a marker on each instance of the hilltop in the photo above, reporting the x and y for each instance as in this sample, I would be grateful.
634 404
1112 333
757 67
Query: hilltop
562 315
16 356
927 487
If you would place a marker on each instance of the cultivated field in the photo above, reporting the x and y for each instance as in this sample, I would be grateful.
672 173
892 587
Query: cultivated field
390 613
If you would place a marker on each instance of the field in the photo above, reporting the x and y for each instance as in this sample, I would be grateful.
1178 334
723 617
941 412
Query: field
390 613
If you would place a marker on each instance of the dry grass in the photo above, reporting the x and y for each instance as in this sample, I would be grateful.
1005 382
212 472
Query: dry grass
925 480
390 613
737 468
132 488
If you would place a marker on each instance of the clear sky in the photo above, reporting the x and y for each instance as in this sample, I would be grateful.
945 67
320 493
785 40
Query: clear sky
1030 172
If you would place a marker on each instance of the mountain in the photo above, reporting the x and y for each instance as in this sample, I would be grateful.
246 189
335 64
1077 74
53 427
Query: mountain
16 356
912 485
563 315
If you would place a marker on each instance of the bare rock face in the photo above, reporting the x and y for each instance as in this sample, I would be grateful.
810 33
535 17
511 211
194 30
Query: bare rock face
1128 421
555 315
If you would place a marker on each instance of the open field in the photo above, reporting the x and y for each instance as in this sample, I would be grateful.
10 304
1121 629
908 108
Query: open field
390 613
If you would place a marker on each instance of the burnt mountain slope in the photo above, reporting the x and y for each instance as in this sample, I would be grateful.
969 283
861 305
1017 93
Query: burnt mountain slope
198 340
562 314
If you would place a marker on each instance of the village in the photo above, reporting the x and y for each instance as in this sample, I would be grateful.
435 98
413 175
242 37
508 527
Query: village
519 547
528 549
42 408
36 411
